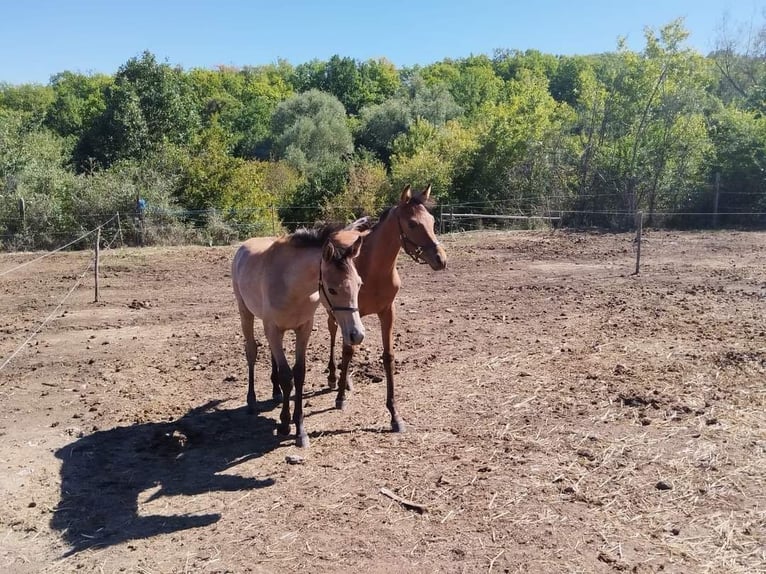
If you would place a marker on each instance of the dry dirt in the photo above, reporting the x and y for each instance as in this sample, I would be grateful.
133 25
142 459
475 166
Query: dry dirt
563 416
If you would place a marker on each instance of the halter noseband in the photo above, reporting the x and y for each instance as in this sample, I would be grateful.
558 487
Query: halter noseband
333 308
407 244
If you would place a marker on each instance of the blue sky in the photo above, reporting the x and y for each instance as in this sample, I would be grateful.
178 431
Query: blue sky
39 38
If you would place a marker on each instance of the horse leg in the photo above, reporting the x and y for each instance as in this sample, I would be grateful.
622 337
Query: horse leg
302 335
332 326
276 391
344 384
387 331
251 353
276 337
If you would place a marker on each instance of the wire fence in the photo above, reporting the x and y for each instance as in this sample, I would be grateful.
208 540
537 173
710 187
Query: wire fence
222 227
203 226
78 281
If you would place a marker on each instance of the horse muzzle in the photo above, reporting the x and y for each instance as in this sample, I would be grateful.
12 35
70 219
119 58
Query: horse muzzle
437 258
355 336
351 328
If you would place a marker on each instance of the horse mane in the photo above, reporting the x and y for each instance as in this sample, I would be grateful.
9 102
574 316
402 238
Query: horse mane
314 237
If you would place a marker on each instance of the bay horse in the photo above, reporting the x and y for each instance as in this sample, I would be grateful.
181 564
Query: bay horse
407 225
280 281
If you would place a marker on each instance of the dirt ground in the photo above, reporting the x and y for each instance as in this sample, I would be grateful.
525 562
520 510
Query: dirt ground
563 415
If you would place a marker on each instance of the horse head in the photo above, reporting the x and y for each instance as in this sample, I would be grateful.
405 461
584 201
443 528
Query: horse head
416 229
339 281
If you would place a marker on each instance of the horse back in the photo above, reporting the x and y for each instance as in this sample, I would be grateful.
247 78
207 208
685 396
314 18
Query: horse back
269 277
248 270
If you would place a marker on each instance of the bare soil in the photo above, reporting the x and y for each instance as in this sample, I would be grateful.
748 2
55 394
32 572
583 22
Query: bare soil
563 415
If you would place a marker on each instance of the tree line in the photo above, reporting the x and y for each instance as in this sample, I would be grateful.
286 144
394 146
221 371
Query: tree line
231 152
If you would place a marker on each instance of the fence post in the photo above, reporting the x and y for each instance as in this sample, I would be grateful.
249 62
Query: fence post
639 230
23 212
441 220
273 221
717 195
96 262
451 219
119 229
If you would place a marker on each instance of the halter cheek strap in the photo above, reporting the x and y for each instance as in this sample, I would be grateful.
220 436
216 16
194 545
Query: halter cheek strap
333 308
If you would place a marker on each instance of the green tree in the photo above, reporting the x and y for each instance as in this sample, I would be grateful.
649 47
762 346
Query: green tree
380 124
310 129
355 84
149 105
78 100
739 158
472 82
640 120
33 100
519 145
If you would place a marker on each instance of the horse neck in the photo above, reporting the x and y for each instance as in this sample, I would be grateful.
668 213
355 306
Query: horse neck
381 248
304 265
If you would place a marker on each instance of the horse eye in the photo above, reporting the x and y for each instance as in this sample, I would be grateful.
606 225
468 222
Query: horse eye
332 291
413 225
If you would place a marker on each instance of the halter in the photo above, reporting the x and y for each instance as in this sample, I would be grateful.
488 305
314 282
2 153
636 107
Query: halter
407 244
333 308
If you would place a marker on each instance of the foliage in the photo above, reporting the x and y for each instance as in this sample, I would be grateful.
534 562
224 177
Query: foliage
310 129
367 192
223 153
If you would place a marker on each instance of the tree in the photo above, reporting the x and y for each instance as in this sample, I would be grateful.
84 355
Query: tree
149 105
355 84
380 124
640 123
310 129
311 134
518 146
739 157
31 99
472 82
740 60
78 100
441 156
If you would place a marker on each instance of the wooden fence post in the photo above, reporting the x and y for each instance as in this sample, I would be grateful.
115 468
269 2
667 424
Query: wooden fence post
119 229
273 221
96 262
639 230
717 195
23 212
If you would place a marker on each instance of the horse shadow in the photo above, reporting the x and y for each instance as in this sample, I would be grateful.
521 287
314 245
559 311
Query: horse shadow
103 474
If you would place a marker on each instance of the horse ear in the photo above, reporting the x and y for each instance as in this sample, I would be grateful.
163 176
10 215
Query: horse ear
426 193
357 247
406 194
328 252
363 224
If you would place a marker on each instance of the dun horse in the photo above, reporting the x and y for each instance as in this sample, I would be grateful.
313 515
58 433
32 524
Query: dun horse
280 281
406 225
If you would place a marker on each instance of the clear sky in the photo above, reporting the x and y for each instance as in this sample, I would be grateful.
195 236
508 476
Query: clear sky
39 38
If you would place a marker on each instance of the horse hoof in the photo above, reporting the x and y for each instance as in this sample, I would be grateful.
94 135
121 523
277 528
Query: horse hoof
397 425
277 397
340 405
302 441
283 429
252 409
332 383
